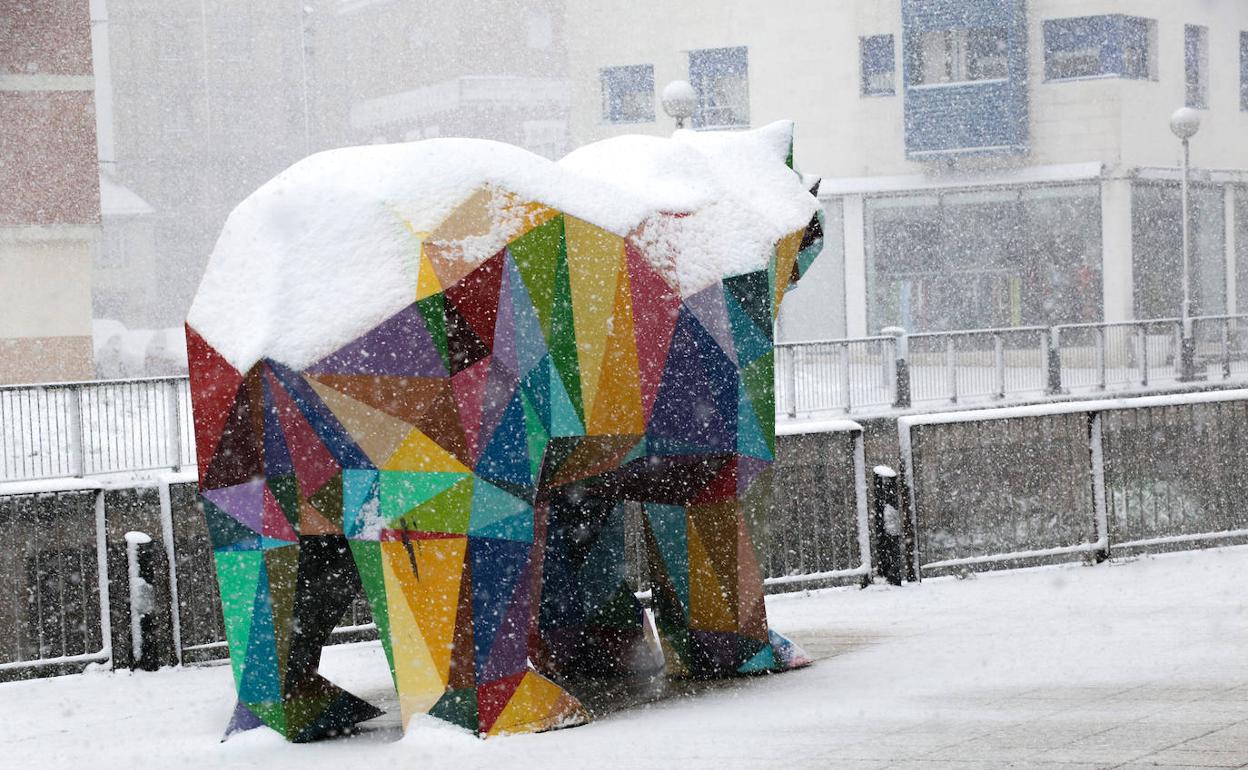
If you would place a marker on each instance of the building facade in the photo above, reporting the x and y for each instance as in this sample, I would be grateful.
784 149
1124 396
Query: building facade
985 163
49 191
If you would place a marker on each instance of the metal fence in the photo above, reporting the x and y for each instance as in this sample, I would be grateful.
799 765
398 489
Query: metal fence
1037 482
91 428
69 550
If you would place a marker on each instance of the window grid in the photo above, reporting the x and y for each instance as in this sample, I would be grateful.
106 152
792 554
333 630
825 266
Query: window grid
878 65
1196 65
628 93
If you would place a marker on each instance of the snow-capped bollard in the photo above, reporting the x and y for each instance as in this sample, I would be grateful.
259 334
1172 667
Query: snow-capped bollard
141 572
901 399
886 523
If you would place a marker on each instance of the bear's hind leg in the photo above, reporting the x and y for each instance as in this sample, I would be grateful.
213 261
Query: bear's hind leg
708 593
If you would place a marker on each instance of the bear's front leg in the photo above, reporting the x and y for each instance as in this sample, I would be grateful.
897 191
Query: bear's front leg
456 613
281 604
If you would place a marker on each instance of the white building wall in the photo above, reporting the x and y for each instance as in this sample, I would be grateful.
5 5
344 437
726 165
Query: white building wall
804 65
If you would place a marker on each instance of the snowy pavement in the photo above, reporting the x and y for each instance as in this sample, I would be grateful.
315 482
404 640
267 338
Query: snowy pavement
1130 664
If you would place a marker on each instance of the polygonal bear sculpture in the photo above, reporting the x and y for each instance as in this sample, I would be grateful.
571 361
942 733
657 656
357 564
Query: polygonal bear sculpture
445 371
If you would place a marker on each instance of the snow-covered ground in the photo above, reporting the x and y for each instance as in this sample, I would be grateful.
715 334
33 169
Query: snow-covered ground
1143 662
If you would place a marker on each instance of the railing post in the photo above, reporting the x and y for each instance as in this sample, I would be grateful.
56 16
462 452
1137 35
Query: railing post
951 371
77 457
173 420
998 353
901 369
1187 351
845 379
1053 361
1142 339
1226 348
1101 357
886 524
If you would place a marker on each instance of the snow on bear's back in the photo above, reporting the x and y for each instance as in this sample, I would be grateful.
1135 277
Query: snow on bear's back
330 247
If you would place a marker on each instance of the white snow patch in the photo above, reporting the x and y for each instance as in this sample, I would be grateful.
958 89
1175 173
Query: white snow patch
330 247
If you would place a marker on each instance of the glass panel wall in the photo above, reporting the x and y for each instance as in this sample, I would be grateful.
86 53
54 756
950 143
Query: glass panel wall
1157 250
981 259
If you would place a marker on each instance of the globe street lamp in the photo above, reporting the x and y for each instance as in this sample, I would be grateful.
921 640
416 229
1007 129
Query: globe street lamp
1184 123
679 100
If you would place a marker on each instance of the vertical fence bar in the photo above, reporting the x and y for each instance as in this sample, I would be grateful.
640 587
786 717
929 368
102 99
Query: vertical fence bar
1053 360
1141 337
77 461
1101 358
1096 454
1225 333
790 376
951 370
998 353
846 395
173 429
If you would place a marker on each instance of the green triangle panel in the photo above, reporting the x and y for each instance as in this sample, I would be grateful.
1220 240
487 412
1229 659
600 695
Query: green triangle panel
433 310
536 253
459 707
446 512
237 573
760 385
401 491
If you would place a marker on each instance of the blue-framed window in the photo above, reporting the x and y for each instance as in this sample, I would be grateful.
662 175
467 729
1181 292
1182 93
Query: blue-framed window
962 55
1243 71
1114 46
628 93
879 68
1196 65
721 78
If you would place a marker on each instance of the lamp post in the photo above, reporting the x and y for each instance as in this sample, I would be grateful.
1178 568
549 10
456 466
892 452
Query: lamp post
679 101
1184 123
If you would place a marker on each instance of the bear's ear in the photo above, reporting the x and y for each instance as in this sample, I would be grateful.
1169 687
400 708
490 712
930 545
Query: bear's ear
812 183
778 137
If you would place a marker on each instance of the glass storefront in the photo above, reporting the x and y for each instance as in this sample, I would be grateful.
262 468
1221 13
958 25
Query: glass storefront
988 258
1157 250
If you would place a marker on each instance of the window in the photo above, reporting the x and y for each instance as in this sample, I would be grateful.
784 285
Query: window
984 258
628 94
876 53
1243 71
1099 46
720 76
959 55
1196 65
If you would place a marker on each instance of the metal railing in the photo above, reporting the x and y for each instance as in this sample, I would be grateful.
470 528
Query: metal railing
89 428
986 365
92 428
1055 480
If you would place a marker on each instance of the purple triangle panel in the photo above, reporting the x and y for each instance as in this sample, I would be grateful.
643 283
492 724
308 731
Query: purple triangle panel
400 347
243 502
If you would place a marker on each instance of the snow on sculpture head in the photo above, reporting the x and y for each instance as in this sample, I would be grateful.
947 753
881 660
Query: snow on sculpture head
442 372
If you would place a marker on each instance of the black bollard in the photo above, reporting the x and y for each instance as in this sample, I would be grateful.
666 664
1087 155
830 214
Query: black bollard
886 522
